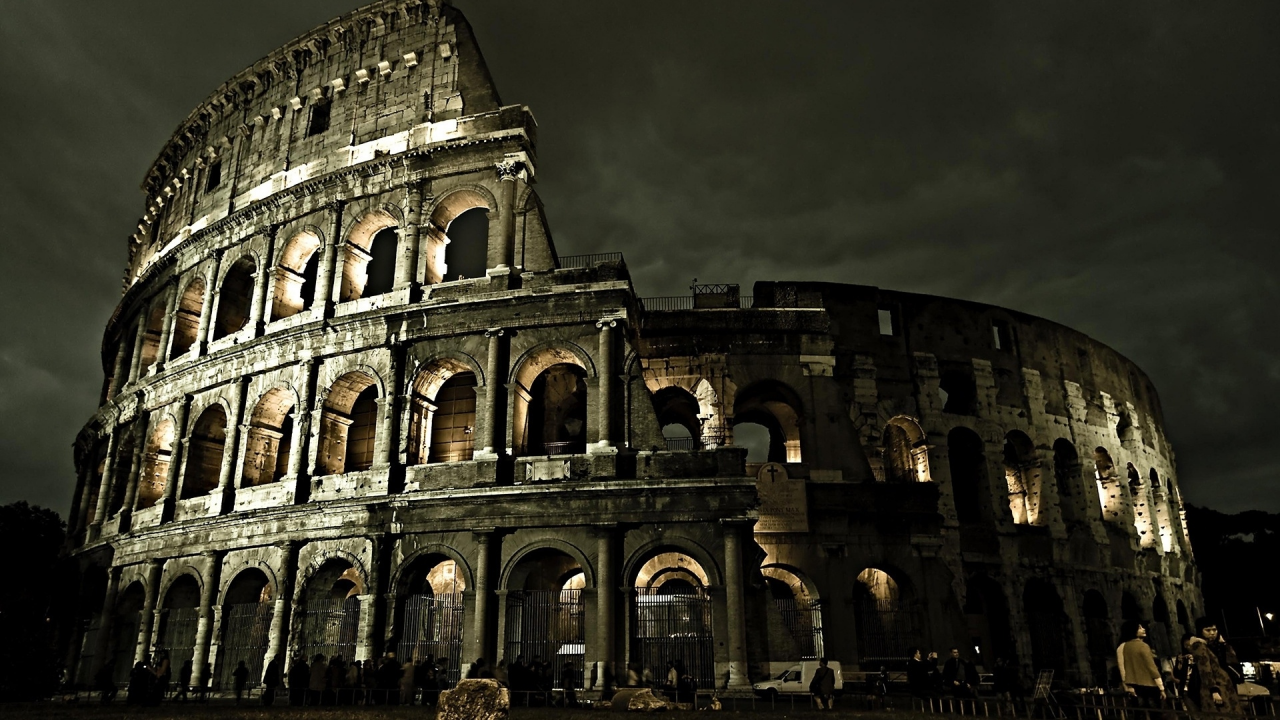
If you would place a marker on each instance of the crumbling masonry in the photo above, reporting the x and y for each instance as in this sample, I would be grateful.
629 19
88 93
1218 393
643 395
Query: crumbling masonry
314 437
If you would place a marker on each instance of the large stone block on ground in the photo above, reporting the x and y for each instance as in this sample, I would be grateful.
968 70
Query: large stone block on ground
474 700
638 700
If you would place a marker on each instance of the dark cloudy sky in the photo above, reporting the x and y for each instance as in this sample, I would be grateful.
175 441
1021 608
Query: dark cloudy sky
1112 166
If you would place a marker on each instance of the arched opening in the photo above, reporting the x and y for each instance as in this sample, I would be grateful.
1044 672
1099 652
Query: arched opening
204 452
1021 474
98 468
1141 498
957 389
125 627
466 253
1184 619
431 614
677 411
1049 627
348 424
776 407
155 465
151 336
671 623
268 443
968 462
330 611
905 457
1101 642
295 287
1110 496
127 446
1066 473
88 612
442 413
1161 498
987 610
125 354
1159 632
247 611
886 620
756 438
186 324
558 411
457 238
369 265
1129 607
178 619
800 610
235 297
545 620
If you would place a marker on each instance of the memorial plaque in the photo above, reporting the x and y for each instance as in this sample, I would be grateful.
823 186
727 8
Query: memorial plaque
784 506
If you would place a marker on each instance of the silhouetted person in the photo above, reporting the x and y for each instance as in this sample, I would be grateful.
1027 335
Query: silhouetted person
105 681
239 678
823 685
140 681
919 680
959 676
319 679
569 683
270 681
184 681
299 678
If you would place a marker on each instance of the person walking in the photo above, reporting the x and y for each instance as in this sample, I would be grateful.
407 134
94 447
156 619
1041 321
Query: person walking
239 678
184 682
270 681
823 684
1217 692
1138 670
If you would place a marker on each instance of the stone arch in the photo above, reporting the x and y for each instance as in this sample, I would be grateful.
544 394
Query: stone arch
1098 637
885 613
683 545
679 418
987 611
428 618
186 323
296 271
168 579
178 617
1022 478
152 331
439 259
361 250
349 422
232 571
509 570
308 571
399 579
778 408
969 483
327 601
1110 486
1067 477
235 296
442 410
905 451
205 448
235 589
550 404
155 463
1049 625
796 599
672 611
269 436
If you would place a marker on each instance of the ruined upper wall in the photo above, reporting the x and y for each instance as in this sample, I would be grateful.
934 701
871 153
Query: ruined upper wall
390 77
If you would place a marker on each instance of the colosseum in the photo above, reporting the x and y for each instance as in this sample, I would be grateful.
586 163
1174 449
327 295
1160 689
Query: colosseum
326 428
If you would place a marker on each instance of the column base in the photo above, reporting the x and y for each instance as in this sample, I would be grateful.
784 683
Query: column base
738 678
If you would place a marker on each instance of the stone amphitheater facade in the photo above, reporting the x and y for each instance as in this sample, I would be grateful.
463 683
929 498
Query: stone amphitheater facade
314 437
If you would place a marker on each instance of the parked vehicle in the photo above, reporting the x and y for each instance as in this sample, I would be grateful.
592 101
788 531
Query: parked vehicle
795 680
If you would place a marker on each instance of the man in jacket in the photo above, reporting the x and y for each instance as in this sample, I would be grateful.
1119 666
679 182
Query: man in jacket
1138 670
823 685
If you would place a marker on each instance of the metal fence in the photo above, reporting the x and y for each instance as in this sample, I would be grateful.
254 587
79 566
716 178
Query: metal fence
803 621
674 630
548 626
124 634
885 630
329 627
688 443
433 628
586 261
246 636
178 636
667 303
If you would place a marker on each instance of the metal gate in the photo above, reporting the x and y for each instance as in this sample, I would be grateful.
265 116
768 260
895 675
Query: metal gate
125 643
246 635
803 621
178 636
432 625
329 627
88 647
1048 641
885 631
548 625
674 630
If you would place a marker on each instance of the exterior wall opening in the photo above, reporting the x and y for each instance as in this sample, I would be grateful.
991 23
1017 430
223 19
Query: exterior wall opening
124 464
295 286
886 621
800 612
442 414
431 614
545 616
125 627
776 407
204 453
382 263
151 336
155 465
905 455
329 619
235 298
558 411
368 251
178 619
968 475
186 324
672 623
348 425
466 254
1049 627
987 611
677 411
1022 478
247 612
268 442
1100 641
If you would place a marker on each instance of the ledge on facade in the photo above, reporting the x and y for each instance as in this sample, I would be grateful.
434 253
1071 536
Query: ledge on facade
360 484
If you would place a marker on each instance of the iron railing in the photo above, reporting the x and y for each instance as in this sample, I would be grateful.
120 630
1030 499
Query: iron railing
433 629
178 637
547 628
668 303
683 444
590 260
803 621
246 636
329 628
674 631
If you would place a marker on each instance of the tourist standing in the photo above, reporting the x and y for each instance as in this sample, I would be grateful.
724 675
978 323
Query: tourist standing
270 681
299 676
823 684
239 678
918 674
184 681
1217 686
1138 670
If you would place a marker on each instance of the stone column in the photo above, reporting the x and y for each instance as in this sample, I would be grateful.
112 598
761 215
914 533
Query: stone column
131 487
735 606
80 503
494 401
278 642
104 489
367 646
204 626
606 597
482 640
604 404
328 258
260 308
502 246
173 477
106 618
407 262
384 442
301 433
146 624
166 332
206 309
118 370
231 448
135 362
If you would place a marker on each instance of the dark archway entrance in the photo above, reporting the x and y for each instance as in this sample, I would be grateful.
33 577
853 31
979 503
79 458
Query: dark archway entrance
1048 625
178 621
545 622
1101 642
331 612
987 611
246 627
431 615
671 625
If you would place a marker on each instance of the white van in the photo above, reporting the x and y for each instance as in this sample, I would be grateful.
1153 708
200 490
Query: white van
796 679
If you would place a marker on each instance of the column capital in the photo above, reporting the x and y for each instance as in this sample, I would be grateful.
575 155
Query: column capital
514 166
495 332
607 322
